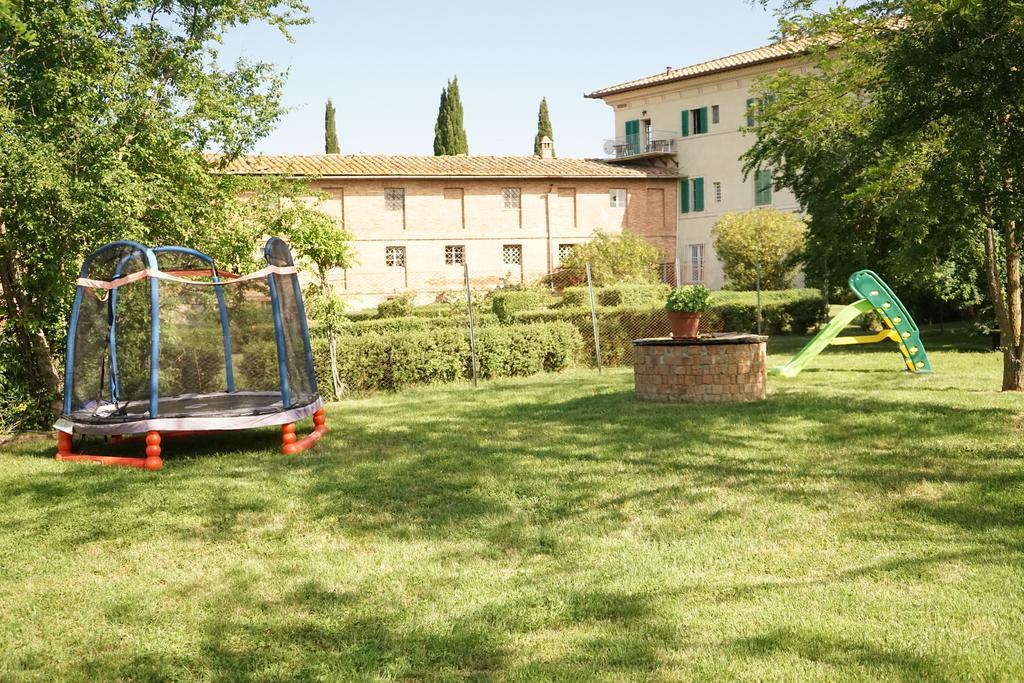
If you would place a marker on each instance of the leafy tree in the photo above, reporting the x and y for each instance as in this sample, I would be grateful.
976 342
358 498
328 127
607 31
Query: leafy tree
543 128
622 258
905 144
330 130
102 127
768 238
449 130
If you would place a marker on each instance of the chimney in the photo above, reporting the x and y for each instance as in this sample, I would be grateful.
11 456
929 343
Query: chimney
545 148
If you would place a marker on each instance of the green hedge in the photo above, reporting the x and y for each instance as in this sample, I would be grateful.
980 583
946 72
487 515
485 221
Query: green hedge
522 350
410 323
396 306
397 360
505 303
573 297
406 323
617 327
632 295
359 316
795 311
782 312
615 295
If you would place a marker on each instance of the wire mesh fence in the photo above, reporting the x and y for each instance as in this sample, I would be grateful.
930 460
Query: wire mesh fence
605 317
478 324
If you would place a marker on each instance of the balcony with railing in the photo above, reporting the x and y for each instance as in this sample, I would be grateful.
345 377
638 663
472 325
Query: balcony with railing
657 143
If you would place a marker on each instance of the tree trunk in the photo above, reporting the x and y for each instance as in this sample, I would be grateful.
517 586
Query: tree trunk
1009 308
1013 370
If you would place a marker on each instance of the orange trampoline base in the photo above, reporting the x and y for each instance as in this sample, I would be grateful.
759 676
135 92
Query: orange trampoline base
291 445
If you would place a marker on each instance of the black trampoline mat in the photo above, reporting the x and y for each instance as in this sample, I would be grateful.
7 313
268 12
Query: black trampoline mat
221 404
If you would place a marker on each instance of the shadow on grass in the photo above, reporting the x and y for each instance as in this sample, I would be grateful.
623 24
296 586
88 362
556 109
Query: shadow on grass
526 479
510 464
842 654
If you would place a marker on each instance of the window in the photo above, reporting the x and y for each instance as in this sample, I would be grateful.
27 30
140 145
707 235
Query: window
564 252
691 195
715 114
394 199
755 105
698 128
717 191
617 198
454 255
695 120
696 270
394 257
762 188
512 254
512 196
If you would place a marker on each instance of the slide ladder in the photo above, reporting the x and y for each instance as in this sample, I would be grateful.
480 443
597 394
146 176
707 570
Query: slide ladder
875 296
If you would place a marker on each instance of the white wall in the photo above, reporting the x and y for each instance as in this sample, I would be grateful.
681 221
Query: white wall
713 155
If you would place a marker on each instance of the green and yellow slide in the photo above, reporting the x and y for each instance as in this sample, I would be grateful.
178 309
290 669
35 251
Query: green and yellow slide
875 296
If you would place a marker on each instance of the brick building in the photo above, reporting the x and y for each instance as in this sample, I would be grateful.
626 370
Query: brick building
416 220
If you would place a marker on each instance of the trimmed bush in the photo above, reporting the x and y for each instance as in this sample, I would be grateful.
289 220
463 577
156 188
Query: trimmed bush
522 350
782 311
405 323
618 327
438 310
365 314
395 307
631 295
575 296
505 303
411 323
401 359
616 295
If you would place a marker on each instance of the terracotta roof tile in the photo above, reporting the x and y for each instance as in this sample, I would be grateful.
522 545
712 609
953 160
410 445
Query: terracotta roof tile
465 166
761 55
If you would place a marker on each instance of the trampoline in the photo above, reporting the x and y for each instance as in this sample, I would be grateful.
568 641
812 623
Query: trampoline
161 342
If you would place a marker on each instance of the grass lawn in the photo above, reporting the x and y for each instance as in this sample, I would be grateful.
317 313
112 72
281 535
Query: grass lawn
861 524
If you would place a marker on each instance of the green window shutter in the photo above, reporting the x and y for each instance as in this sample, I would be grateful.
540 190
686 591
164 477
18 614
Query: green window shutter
750 112
703 119
633 135
685 122
684 195
698 194
762 188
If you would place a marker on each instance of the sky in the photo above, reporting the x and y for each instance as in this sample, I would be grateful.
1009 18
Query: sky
384 65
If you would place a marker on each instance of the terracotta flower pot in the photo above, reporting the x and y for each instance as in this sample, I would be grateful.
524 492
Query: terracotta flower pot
684 325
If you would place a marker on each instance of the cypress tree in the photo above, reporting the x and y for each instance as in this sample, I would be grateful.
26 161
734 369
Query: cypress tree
449 131
457 142
330 131
543 128
441 126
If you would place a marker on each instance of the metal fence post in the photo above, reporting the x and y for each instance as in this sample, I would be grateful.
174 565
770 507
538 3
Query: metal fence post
469 308
679 273
593 320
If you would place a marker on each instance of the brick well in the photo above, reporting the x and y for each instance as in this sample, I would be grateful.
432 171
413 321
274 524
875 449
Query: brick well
728 367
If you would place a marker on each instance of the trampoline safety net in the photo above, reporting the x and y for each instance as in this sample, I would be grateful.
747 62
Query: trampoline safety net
162 333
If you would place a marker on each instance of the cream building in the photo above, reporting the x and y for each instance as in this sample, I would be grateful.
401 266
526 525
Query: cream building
690 120
417 221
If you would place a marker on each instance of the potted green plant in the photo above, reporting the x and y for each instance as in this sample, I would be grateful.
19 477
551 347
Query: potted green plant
684 306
